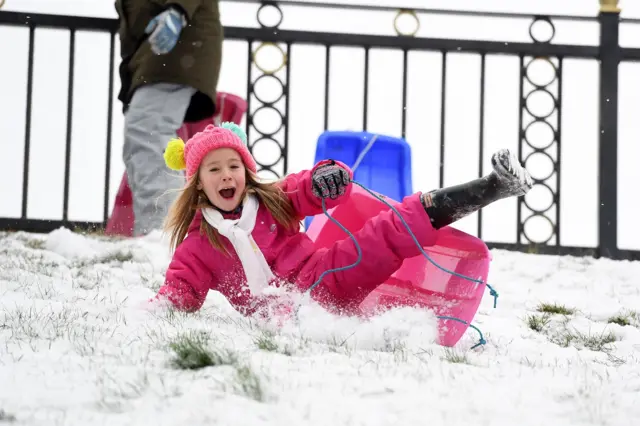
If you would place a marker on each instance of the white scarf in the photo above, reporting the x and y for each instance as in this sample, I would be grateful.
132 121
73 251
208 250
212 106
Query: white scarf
238 231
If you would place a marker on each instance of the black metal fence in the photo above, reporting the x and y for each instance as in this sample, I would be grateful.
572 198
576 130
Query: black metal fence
608 53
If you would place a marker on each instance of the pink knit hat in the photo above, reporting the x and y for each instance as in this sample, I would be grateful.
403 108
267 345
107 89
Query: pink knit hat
180 156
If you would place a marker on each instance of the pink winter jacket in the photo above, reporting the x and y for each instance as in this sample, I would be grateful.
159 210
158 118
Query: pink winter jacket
197 267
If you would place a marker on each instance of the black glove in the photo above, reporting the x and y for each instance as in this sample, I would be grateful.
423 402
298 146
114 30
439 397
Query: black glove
329 181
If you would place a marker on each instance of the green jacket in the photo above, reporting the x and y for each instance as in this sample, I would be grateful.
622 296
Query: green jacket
194 61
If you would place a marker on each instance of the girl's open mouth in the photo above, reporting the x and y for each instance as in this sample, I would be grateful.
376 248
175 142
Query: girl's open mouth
227 193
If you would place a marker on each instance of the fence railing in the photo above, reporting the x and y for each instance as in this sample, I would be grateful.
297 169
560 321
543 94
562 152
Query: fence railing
608 53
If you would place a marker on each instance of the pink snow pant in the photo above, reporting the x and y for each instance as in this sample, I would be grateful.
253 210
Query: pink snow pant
385 243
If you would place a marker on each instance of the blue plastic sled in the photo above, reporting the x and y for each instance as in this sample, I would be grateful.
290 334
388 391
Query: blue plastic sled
381 163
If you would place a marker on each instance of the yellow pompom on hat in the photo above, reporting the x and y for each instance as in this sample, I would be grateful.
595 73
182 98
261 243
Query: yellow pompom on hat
174 155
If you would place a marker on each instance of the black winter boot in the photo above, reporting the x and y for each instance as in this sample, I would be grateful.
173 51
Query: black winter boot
508 179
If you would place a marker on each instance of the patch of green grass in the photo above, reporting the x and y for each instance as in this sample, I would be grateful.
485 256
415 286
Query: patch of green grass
626 318
266 342
537 322
563 338
598 342
555 309
620 319
193 352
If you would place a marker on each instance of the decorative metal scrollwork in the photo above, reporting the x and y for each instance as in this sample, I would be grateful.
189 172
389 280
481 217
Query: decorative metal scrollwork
540 138
269 146
411 13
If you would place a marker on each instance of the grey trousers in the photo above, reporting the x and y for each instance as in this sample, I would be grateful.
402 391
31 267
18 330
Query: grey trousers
155 114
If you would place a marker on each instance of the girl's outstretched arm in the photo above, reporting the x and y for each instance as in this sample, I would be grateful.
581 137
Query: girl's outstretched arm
188 279
299 187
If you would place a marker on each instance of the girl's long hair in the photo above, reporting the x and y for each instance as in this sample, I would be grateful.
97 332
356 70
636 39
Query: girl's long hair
190 199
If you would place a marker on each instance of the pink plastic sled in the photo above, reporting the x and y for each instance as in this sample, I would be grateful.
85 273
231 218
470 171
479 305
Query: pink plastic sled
418 282
228 108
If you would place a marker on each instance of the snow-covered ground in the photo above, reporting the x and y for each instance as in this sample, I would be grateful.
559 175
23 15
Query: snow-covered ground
77 347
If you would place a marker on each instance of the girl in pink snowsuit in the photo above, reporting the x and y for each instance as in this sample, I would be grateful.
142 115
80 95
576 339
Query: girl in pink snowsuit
236 235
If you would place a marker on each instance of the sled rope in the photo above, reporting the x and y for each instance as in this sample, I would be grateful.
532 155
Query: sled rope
481 340
363 153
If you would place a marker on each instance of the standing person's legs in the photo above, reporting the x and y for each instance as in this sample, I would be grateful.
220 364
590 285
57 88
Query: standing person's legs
155 114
